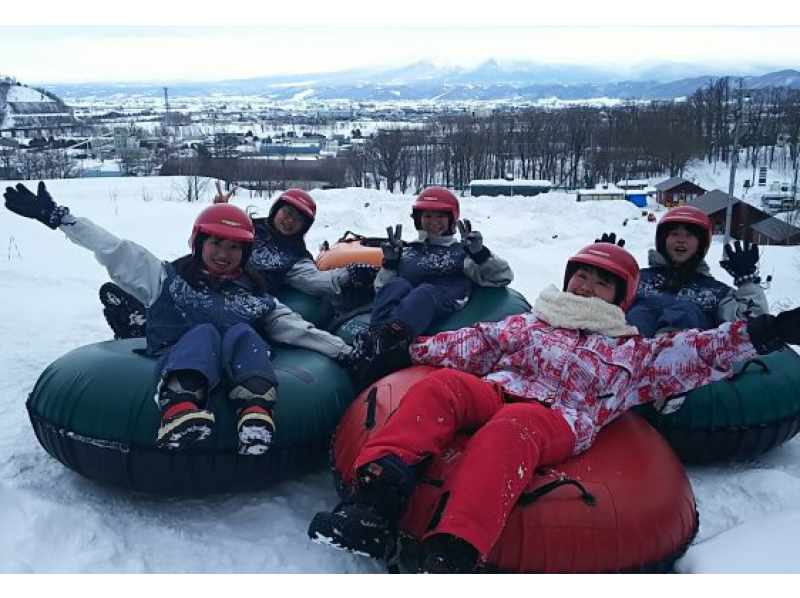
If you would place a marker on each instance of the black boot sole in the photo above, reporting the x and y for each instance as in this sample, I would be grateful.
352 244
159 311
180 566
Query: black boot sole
349 533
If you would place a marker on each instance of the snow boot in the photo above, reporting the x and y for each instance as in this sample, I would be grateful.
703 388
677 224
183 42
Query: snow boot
445 553
255 423
125 314
364 523
183 422
381 350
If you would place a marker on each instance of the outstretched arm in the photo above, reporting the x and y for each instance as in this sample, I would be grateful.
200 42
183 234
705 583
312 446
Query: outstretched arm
131 266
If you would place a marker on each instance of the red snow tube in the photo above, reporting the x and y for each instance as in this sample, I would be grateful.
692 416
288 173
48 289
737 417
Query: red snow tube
632 509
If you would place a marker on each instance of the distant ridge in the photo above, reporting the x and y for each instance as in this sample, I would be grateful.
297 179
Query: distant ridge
420 81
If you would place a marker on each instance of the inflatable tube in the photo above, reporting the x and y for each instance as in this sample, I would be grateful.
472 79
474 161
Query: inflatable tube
753 412
485 305
350 249
93 409
642 519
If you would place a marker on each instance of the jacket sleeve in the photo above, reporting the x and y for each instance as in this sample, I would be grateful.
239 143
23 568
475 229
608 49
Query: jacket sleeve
283 325
677 362
494 272
745 301
475 350
130 265
306 277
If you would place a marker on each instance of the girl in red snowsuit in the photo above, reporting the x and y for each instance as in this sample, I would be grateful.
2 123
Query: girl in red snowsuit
535 389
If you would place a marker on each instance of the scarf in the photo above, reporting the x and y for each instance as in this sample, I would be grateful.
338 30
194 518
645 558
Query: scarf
589 314
215 279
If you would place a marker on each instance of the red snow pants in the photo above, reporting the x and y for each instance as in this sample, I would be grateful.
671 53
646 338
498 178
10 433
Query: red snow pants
510 441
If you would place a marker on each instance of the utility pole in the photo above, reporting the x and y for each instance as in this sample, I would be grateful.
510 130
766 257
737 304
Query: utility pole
737 115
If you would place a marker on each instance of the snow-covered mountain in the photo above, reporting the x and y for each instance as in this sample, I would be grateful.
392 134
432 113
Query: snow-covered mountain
492 80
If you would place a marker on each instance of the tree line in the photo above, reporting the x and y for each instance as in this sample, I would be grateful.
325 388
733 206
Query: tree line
573 147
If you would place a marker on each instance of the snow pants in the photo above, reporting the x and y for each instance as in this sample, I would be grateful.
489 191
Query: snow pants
418 306
510 441
655 314
236 354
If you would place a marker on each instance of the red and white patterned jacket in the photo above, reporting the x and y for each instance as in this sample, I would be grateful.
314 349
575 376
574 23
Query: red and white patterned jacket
590 379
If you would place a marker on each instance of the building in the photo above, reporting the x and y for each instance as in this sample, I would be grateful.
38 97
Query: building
677 191
748 222
600 193
508 188
773 231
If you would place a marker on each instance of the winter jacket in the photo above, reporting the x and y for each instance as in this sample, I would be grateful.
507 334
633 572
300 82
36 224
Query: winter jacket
702 303
590 379
150 280
444 259
285 260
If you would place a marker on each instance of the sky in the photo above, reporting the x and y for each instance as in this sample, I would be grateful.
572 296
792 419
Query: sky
327 37
54 521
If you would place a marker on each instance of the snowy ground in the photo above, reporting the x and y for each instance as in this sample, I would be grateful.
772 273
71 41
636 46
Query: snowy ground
54 521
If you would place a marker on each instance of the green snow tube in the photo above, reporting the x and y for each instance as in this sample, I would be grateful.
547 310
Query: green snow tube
737 419
93 409
485 305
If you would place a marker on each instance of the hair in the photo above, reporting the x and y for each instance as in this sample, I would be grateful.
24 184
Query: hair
191 267
306 220
619 284
679 275
693 229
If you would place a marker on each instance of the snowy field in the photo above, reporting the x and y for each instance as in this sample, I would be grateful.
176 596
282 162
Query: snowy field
54 521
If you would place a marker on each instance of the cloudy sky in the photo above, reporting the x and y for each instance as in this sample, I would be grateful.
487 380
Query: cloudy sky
222 40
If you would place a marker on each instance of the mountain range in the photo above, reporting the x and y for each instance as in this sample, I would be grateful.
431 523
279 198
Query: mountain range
425 81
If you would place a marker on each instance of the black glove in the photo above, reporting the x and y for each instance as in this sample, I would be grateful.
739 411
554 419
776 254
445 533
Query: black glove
361 276
770 333
393 247
740 263
40 207
611 238
472 241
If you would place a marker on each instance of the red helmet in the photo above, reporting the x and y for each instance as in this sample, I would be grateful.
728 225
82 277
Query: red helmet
222 220
611 258
299 199
694 219
437 199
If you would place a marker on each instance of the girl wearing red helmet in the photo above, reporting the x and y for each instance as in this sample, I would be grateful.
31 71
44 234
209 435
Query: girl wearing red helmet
678 291
202 310
533 389
281 256
427 279
278 253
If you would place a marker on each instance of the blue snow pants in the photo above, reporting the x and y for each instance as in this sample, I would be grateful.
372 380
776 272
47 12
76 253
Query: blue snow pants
233 355
418 306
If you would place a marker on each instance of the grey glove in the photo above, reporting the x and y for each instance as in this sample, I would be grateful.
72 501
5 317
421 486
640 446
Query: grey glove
472 241
40 207
393 247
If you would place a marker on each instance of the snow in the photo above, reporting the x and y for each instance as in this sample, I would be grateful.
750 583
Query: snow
54 521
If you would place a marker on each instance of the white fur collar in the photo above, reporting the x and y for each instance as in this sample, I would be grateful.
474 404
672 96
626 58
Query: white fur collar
590 314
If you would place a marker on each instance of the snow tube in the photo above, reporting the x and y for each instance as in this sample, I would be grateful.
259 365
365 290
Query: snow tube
351 248
625 505
753 412
93 409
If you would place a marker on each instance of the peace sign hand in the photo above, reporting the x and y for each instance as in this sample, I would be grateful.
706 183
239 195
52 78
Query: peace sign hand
393 247
221 197
471 240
